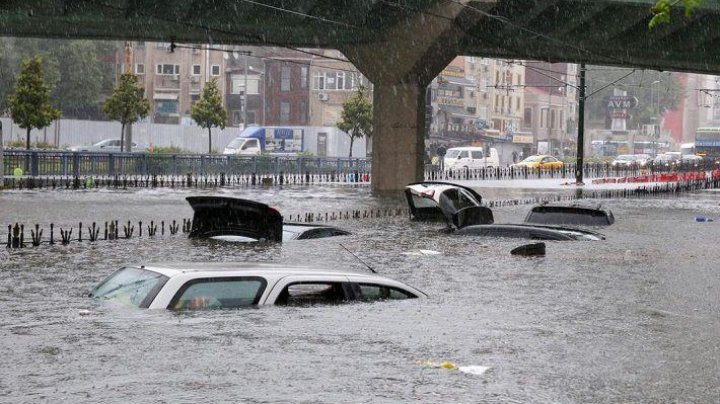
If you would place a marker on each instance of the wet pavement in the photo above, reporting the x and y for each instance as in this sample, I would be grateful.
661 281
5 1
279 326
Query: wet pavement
634 318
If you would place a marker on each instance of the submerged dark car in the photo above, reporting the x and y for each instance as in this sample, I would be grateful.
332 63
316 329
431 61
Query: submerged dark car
574 214
235 219
461 209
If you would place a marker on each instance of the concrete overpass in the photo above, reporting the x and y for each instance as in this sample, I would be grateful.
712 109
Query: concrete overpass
399 45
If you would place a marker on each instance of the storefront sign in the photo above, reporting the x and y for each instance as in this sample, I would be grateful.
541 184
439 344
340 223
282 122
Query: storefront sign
525 139
451 101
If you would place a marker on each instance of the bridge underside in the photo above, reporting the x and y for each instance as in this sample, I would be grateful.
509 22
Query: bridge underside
399 44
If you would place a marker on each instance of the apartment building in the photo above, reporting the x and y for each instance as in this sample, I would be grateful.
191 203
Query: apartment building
173 77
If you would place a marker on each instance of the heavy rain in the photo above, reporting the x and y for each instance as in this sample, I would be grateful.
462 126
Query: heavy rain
303 117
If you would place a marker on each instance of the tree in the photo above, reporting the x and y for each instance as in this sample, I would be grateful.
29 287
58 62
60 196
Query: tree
127 104
662 9
356 116
30 102
209 111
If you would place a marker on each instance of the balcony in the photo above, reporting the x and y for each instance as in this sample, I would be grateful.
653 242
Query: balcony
168 82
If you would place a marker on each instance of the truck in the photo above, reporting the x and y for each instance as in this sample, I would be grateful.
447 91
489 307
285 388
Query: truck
321 141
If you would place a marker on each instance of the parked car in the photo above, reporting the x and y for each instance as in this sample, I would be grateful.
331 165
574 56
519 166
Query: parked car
691 159
666 160
624 160
461 209
107 146
540 161
241 220
470 158
205 286
642 160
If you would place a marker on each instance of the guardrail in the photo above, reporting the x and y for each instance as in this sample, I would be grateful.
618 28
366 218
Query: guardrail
38 163
590 170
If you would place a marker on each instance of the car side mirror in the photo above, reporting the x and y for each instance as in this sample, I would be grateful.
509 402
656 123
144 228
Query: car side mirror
102 147
458 157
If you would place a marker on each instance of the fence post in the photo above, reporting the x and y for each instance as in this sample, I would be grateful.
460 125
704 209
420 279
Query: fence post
111 164
33 164
76 164
145 164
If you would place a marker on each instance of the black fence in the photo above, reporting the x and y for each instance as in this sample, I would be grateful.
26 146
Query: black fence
20 235
78 164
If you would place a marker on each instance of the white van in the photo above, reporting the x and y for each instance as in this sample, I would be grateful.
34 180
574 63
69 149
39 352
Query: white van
470 157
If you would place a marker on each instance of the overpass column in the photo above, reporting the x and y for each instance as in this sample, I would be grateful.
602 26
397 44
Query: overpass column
398 135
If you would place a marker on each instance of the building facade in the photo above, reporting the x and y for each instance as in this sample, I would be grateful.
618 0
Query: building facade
173 77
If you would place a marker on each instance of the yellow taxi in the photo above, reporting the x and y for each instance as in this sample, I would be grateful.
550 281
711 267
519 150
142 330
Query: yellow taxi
540 161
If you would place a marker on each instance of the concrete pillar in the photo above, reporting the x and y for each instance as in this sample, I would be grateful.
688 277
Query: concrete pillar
399 139
400 68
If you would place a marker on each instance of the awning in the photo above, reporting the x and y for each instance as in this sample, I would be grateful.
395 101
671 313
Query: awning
165 97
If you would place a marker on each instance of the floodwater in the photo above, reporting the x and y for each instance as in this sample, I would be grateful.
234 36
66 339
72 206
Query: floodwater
634 318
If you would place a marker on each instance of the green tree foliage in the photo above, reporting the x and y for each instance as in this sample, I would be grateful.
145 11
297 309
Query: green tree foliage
209 111
656 92
356 116
663 8
82 73
127 104
30 102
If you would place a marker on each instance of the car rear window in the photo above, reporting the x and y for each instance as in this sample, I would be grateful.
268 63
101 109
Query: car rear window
130 286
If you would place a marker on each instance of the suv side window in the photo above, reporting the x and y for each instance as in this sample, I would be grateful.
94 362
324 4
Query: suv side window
371 292
477 154
464 154
218 293
312 293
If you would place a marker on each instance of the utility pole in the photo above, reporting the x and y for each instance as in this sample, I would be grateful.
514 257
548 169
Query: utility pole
2 164
128 69
581 129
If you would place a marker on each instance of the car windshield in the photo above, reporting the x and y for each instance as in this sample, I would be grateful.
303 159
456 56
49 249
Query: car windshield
532 159
625 157
235 143
133 287
455 199
452 154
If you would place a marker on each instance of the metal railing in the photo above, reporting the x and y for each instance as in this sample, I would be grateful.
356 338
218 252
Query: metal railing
590 170
76 164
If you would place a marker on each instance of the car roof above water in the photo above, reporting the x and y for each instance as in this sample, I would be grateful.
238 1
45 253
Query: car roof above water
175 268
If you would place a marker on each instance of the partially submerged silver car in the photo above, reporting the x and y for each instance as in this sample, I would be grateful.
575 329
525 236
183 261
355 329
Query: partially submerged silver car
461 209
205 286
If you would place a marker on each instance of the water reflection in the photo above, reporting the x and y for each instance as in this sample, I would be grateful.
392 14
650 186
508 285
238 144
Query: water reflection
632 318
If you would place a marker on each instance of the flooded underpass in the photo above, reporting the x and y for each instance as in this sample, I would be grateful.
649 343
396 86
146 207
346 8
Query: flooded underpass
634 318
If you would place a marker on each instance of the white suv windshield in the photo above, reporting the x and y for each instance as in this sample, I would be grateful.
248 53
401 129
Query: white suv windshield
130 286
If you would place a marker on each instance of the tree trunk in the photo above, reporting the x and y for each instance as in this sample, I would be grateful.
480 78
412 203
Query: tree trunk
122 138
27 139
352 140
209 140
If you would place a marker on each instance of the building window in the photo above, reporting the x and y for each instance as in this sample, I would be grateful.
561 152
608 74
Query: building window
517 103
215 70
167 69
527 118
340 80
303 77
285 78
139 68
194 98
318 81
196 70
284 111
552 119
543 117
303 112
330 80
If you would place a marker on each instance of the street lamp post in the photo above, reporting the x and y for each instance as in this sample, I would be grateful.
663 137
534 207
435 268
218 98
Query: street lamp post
654 118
